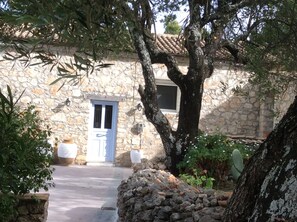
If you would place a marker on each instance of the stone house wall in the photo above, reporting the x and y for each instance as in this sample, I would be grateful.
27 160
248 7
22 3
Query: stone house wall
283 101
222 110
232 106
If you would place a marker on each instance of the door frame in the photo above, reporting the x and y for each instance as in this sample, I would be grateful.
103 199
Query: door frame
92 104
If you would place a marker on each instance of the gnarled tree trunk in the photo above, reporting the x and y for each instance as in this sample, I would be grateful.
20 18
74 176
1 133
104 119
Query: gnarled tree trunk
267 188
191 86
201 53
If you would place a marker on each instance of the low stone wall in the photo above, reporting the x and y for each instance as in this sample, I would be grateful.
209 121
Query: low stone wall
158 196
32 208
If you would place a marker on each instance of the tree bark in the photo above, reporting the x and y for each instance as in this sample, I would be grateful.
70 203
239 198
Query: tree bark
267 188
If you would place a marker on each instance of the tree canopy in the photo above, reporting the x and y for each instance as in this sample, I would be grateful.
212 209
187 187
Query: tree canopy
97 28
271 49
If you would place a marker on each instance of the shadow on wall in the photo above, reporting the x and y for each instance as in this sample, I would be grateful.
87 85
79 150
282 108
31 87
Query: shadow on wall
124 159
241 114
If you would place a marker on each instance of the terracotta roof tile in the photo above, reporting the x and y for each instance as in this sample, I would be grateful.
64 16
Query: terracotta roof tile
168 43
173 44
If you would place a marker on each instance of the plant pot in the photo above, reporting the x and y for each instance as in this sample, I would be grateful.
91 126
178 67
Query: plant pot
136 156
67 152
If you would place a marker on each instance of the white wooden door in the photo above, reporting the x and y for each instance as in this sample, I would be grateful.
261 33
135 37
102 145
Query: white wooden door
101 145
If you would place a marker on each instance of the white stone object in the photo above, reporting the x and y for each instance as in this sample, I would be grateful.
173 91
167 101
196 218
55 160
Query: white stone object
136 156
67 150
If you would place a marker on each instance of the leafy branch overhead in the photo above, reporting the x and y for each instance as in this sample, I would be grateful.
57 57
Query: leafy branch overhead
95 29
90 30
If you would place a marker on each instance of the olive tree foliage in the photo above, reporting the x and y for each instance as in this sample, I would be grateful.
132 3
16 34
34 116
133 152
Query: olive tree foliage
92 27
272 50
96 28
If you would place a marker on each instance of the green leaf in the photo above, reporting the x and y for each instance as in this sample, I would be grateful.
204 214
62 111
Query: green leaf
17 100
82 18
81 60
61 69
10 98
57 80
3 98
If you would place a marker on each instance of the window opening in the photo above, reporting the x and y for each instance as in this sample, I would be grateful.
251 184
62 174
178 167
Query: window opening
108 117
97 116
167 97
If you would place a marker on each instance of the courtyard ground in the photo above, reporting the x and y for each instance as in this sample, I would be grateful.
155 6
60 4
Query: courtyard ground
85 193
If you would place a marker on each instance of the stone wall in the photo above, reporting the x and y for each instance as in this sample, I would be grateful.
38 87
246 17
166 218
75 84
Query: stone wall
158 196
284 100
32 208
227 111
222 110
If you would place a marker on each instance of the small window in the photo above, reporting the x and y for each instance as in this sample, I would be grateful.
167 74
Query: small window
97 116
108 117
168 97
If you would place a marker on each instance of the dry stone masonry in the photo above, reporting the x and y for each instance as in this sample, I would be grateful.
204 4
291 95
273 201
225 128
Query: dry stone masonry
32 208
222 110
157 196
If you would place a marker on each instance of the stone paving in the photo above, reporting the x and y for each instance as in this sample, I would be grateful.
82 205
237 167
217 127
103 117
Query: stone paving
85 193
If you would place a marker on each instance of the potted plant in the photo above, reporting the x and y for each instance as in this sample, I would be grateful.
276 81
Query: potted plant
25 157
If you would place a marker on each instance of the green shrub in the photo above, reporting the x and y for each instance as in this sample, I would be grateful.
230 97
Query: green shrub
198 179
211 154
25 154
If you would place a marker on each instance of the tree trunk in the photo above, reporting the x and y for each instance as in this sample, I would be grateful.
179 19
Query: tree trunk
188 120
149 97
267 188
190 84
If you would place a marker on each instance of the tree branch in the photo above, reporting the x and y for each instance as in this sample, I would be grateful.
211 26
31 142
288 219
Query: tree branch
149 93
235 52
169 61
